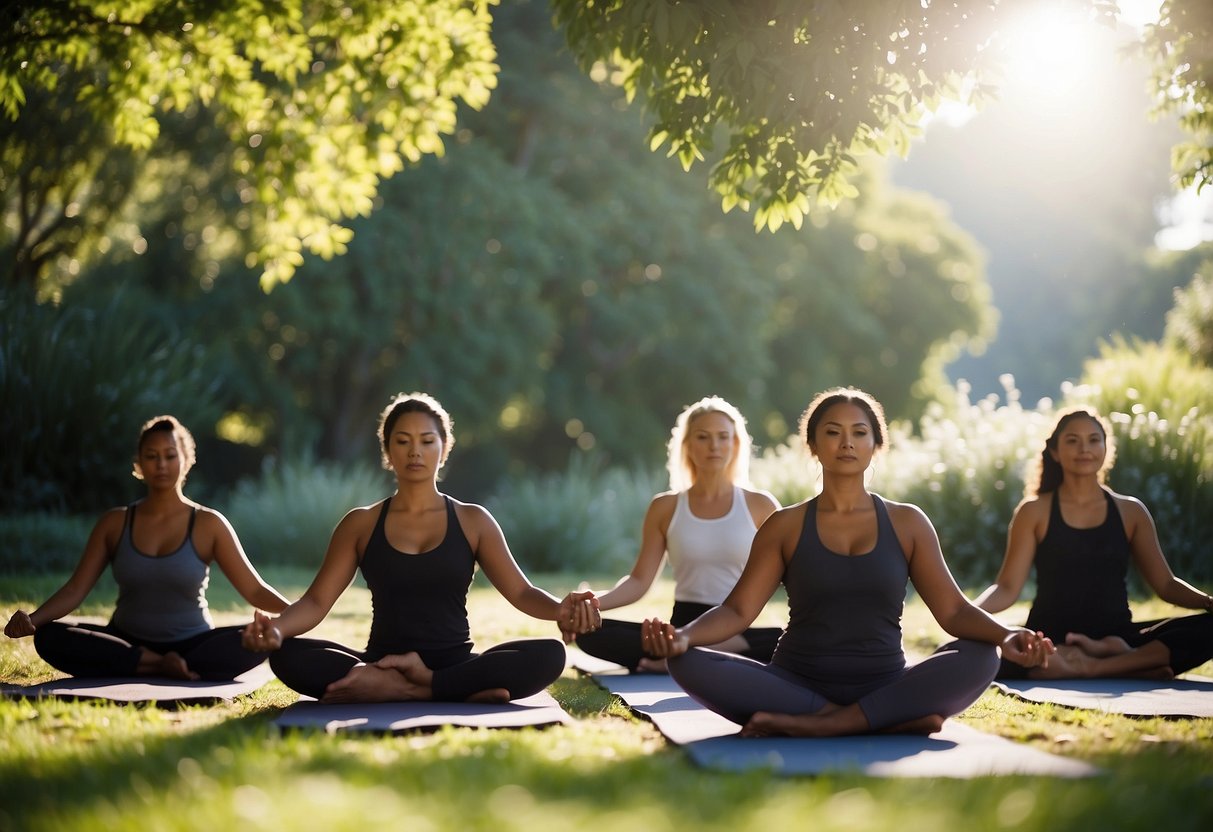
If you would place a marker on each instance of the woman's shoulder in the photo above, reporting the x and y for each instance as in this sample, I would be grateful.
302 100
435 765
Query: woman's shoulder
901 512
666 500
360 516
1034 508
758 500
1127 503
788 516
114 518
471 512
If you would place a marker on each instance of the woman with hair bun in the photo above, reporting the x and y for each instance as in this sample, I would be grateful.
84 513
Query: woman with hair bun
160 549
418 551
1081 536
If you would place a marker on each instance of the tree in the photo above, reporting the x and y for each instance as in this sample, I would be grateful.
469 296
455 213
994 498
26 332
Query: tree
317 100
1183 82
799 89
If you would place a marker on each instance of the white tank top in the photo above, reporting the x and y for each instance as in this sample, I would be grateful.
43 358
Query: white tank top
707 556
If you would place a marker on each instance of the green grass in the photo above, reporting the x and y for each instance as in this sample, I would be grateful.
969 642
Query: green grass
82 766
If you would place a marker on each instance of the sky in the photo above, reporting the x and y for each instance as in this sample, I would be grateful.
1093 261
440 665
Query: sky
1052 58
1065 184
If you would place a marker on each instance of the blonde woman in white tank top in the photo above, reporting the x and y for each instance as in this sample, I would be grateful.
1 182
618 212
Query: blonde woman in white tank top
705 523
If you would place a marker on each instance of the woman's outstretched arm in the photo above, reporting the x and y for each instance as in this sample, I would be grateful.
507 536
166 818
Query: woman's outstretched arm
93 560
1147 554
761 576
340 564
1022 536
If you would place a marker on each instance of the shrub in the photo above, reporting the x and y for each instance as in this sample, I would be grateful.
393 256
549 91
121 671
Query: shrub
1143 377
287 515
76 385
583 520
39 542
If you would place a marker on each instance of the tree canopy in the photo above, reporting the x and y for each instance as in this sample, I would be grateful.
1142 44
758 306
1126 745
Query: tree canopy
316 101
798 89
795 91
1181 47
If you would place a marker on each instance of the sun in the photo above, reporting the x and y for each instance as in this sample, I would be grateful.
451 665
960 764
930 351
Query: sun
1048 50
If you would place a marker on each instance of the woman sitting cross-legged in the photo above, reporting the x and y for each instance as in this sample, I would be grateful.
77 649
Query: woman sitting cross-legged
706 523
418 550
160 549
844 558
1081 536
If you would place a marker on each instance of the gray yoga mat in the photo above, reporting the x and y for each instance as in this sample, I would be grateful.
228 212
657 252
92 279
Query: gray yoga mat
1192 697
403 717
166 693
957 751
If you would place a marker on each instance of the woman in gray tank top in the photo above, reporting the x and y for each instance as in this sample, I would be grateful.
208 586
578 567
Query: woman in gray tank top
844 558
160 549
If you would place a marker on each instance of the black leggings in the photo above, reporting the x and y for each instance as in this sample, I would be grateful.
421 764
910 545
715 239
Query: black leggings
619 641
945 683
523 667
1188 637
95 650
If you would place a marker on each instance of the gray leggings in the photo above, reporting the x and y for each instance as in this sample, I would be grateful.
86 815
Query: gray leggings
945 683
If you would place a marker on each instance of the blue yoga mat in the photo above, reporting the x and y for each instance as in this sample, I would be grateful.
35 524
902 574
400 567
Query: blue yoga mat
404 717
1177 698
711 741
166 693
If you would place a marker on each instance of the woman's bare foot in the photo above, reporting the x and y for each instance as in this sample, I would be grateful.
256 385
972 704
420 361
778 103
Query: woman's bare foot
924 725
494 696
1098 647
830 721
375 683
171 666
1069 662
647 665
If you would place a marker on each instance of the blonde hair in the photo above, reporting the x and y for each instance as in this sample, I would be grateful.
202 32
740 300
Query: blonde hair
678 459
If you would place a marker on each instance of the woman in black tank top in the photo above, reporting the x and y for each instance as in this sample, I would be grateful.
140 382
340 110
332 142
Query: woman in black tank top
161 624
418 550
844 558
1080 536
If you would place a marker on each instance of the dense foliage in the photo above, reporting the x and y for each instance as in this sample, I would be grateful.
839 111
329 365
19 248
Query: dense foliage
798 89
1183 82
76 385
311 104
560 288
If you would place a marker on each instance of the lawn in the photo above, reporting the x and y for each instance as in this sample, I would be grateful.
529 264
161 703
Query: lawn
81 766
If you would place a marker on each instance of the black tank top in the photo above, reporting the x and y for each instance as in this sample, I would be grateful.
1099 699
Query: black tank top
1080 578
844 610
419 602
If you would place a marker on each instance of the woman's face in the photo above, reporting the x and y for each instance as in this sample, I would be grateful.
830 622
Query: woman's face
711 442
415 446
159 460
1081 446
844 440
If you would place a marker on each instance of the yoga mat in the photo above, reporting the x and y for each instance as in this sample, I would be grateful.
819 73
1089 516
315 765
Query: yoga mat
166 693
1191 697
403 717
957 751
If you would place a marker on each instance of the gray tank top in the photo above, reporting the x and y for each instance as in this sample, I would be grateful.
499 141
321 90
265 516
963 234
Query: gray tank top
160 598
844 610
